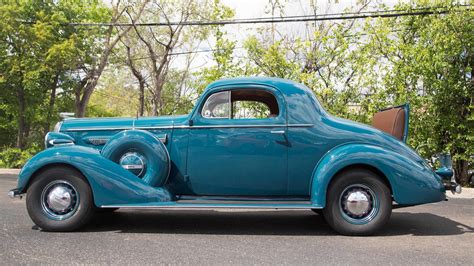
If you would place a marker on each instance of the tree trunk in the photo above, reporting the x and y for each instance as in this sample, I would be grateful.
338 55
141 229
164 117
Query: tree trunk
460 170
141 83
140 78
142 97
22 128
81 102
88 84
159 69
52 100
158 88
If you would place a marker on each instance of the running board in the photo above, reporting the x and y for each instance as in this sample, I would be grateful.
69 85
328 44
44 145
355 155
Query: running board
213 205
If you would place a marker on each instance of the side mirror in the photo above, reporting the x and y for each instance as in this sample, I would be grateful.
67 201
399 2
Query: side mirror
446 169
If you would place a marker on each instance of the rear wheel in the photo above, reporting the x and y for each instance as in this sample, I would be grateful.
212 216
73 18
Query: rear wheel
60 199
358 203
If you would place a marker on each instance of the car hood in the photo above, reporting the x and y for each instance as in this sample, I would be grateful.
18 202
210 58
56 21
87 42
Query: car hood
121 123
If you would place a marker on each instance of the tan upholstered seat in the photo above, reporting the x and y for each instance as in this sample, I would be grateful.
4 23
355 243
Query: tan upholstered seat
391 121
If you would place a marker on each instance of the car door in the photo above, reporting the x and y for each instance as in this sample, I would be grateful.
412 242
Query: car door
238 144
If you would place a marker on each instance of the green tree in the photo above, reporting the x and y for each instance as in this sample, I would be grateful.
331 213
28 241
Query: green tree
114 95
150 51
39 55
225 63
428 61
357 68
95 59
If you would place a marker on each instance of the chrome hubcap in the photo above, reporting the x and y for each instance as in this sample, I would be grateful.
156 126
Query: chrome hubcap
59 200
358 204
133 162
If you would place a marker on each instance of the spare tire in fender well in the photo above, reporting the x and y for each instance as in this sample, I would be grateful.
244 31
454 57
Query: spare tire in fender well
148 150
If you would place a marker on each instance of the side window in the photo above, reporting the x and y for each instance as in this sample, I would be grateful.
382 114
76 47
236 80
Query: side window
217 106
253 104
241 104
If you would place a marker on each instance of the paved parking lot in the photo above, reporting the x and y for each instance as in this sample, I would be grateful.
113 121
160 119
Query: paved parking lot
441 233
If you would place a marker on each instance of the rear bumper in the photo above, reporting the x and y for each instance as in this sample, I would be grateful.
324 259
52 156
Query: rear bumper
452 186
15 193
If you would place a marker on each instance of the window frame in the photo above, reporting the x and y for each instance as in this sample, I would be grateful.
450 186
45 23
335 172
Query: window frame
229 102
230 117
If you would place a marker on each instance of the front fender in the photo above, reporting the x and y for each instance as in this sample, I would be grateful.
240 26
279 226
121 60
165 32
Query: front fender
110 183
411 181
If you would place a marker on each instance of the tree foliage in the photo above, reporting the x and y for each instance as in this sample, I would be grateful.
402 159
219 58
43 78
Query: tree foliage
39 56
359 67
355 67
428 62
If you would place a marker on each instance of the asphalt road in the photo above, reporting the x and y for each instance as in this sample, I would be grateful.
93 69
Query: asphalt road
441 233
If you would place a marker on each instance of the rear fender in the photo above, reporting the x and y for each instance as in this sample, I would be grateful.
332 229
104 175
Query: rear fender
110 183
411 182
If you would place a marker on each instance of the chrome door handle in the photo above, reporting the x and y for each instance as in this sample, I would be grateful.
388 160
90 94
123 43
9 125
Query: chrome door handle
277 131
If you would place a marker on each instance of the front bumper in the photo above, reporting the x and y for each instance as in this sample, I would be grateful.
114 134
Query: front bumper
15 193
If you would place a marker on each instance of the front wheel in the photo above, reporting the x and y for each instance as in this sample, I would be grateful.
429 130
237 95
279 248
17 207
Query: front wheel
59 199
358 203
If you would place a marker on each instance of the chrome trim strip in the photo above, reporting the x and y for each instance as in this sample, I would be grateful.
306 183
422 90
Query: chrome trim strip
156 127
115 128
102 141
239 126
97 129
245 202
97 141
250 126
181 126
300 125
277 132
186 126
132 166
241 199
67 142
175 205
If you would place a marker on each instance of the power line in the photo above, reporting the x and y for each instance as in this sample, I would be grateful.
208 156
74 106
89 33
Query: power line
239 48
324 17
203 51
349 13
191 52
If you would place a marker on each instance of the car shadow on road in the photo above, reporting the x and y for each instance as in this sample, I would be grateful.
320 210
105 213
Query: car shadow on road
293 223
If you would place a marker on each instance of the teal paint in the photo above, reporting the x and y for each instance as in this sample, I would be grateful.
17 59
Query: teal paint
241 157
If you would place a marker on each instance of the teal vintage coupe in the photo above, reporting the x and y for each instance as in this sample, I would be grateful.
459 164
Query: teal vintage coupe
248 143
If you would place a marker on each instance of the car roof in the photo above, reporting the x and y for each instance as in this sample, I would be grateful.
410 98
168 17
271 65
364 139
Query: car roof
284 85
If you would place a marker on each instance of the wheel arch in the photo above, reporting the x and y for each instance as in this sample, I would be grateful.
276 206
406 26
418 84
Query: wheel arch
363 166
45 167
410 182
